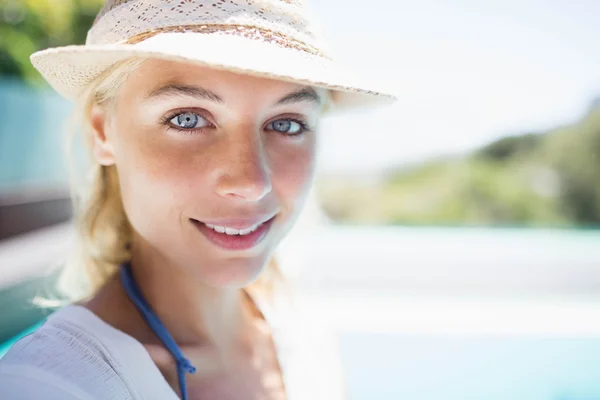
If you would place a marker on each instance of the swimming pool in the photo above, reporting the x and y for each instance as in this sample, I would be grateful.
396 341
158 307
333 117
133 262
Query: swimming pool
434 367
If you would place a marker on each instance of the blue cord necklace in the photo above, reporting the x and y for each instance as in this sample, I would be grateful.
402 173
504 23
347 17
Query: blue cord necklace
133 291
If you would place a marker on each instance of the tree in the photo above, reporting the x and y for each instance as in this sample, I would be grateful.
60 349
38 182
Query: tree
30 25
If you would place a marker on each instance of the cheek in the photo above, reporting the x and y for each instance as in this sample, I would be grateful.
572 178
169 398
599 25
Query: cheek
293 171
156 182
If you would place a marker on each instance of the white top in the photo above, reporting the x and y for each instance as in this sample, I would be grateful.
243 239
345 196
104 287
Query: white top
76 355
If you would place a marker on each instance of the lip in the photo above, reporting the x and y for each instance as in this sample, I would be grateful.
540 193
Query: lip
234 242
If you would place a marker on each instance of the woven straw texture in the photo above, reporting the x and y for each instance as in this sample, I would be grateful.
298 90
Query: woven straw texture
267 38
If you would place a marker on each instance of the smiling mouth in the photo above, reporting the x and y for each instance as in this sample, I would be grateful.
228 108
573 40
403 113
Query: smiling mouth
233 231
234 239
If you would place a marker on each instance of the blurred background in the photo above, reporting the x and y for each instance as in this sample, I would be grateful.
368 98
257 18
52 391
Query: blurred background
452 240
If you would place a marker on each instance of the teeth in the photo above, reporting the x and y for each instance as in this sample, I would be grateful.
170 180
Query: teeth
247 231
232 231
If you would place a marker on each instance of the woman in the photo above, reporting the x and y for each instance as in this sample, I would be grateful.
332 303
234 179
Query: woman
202 120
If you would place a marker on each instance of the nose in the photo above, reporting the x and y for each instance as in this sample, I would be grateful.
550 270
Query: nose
244 171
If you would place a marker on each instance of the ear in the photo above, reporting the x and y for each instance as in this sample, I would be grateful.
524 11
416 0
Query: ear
102 146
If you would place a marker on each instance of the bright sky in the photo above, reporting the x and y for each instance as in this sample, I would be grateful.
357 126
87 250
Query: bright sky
467 71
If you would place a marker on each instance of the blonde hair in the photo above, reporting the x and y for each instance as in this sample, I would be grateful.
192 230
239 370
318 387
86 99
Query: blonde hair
104 232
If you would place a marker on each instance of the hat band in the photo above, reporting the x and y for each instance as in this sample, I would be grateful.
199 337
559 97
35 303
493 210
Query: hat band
247 32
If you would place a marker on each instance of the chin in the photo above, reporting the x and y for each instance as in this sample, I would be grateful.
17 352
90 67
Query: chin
234 273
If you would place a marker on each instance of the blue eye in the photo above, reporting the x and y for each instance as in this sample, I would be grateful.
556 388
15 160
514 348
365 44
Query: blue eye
288 126
189 120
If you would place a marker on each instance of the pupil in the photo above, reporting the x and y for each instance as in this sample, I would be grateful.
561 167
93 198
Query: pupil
187 120
283 126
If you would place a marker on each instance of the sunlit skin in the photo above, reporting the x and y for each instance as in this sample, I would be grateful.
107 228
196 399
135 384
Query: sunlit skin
191 143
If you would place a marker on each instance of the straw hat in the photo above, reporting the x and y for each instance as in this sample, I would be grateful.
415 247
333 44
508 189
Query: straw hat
265 38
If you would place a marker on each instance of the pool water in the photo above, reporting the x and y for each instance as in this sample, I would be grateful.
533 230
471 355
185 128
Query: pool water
434 367
7 344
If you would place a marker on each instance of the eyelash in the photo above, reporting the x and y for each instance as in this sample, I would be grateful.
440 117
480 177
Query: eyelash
166 121
303 126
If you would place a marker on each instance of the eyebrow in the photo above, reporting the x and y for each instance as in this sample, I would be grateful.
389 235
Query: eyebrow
305 94
174 89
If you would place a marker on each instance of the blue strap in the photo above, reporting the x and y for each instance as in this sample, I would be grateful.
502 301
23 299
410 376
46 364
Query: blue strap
134 293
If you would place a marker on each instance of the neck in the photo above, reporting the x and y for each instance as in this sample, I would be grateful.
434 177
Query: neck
192 312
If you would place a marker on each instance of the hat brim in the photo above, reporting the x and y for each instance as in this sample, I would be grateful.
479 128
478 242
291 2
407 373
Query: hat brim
70 69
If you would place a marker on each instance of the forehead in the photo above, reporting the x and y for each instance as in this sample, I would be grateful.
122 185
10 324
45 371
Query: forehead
155 73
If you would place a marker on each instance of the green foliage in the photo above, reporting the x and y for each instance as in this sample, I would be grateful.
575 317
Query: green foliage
30 25
510 146
542 179
575 154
